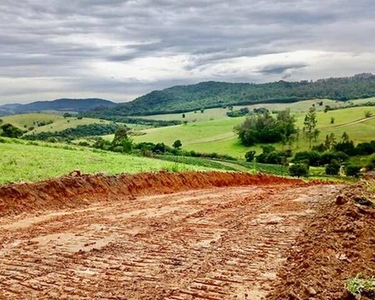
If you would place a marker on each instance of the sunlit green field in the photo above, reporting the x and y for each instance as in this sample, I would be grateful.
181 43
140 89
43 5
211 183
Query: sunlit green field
218 135
25 121
220 113
28 162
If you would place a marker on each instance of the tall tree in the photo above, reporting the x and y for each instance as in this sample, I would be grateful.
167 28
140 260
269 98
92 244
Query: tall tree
121 142
310 123
330 141
345 137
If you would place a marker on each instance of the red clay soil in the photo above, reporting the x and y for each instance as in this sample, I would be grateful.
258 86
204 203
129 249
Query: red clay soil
338 244
206 236
80 191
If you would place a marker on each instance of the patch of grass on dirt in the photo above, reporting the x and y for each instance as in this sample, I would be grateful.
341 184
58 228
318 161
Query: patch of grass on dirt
264 168
361 286
228 165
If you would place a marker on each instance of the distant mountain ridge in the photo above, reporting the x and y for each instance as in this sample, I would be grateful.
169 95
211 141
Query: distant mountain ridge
213 94
209 94
64 104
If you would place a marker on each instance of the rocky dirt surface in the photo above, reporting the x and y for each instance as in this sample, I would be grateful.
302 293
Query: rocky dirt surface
337 244
206 241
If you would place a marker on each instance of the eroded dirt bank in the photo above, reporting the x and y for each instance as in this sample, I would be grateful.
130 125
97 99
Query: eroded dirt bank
337 244
220 242
80 191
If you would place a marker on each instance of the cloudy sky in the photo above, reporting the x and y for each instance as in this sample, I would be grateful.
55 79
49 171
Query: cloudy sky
120 49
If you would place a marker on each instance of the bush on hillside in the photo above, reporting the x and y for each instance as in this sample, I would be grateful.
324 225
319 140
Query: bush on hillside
328 156
333 168
352 170
347 147
365 148
311 157
271 156
264 128
250 155
299 170
8 130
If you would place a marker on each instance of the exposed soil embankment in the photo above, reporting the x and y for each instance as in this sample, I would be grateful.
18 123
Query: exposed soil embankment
77 191
338 244
199 243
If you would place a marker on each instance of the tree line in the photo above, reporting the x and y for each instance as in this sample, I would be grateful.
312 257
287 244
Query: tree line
180 99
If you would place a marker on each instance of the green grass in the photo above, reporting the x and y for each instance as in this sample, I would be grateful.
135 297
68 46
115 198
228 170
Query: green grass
220 113
25 121
28 120
228 165
361 286
22 161
264 168
218 135
198 161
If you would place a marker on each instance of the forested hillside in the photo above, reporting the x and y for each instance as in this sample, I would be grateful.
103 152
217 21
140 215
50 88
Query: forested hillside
216 94
70 105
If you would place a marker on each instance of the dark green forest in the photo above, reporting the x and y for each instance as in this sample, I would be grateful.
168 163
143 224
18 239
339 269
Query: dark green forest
211 94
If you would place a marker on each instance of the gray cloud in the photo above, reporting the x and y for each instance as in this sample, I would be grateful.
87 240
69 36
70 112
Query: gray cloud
281 68
124 48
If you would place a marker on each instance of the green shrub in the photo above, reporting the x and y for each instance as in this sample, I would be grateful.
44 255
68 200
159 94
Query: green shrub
361 286
312 157
271 156
250 155
299 170
328 156
333 168
8 130
346 147
371 163
352 170
177 144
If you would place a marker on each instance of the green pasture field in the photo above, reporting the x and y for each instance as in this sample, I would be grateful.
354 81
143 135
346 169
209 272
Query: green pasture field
220 113
25 121
218 135
29 161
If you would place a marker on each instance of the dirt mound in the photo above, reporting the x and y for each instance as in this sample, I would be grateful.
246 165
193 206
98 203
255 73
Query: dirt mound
335 246
76 191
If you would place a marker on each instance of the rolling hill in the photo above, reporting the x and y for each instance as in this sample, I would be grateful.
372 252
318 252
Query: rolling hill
61 105
211 94
217 135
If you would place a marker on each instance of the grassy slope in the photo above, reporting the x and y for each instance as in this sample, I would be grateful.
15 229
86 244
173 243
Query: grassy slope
59 122
28 119
220 113
218 136
25 162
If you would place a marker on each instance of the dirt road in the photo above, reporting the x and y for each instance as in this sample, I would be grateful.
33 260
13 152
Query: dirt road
219 243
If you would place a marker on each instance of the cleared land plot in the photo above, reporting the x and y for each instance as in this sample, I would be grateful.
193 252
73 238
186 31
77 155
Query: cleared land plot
220 243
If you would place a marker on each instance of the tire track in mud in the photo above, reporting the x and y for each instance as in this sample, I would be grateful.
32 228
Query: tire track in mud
220 243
